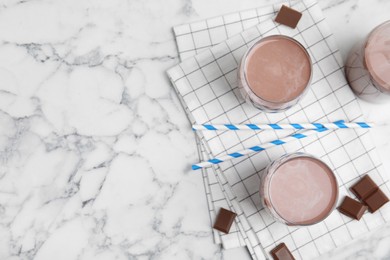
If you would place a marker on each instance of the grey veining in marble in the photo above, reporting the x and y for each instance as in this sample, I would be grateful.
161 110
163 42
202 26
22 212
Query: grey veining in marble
94 146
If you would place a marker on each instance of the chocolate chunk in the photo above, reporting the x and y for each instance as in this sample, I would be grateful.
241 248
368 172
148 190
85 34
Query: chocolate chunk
376 200
352 208
288 16
281 252
224 220
364 187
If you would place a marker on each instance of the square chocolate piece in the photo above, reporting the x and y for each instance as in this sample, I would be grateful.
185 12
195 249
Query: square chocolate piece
224 220
281 252
364 187
288 16
376 200
352 208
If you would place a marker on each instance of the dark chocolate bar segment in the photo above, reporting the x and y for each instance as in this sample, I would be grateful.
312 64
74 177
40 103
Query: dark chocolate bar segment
281 252
364 187
352 208
376 200
288 17
224 220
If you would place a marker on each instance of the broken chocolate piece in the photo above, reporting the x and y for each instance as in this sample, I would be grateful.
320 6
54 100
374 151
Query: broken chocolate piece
352 208
281 252
364 187
224 220
288 16
376 200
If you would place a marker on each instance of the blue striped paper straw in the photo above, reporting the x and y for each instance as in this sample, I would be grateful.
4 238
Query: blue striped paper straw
257 148
236 127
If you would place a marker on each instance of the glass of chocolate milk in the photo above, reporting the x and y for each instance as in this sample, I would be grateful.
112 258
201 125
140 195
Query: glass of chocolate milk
299 190
368 66
274 73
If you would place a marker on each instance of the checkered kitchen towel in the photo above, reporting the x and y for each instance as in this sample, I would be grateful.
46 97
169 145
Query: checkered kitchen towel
207 84
192 39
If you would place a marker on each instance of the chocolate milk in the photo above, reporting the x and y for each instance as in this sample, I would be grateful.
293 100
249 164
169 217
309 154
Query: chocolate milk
301 191
275 73
278 70
368 66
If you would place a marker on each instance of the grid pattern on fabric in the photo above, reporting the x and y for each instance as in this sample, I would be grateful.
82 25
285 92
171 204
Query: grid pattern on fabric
217 199
222 198
207 83
196 37
220 29
237 236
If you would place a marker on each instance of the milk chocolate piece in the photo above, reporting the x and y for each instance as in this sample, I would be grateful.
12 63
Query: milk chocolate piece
364 187
376 200
288 17
352 208
281 252
224 220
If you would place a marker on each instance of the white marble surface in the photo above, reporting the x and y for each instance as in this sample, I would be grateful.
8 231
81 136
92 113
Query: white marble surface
94 146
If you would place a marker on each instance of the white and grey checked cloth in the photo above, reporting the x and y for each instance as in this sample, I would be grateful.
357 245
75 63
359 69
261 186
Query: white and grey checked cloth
207 86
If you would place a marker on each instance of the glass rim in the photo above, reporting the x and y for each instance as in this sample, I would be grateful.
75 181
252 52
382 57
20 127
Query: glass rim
288 157
244 63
